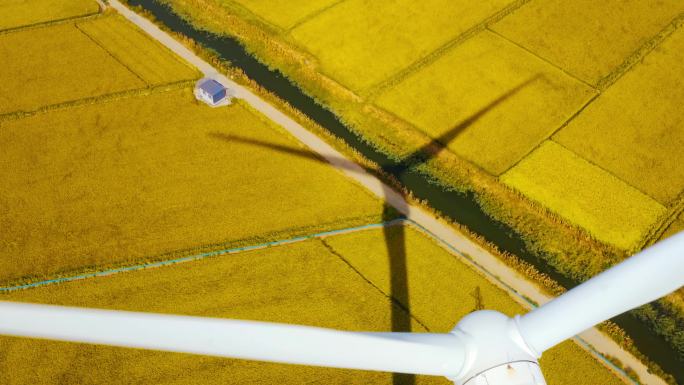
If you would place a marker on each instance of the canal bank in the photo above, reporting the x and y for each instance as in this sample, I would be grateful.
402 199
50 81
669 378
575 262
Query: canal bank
461 207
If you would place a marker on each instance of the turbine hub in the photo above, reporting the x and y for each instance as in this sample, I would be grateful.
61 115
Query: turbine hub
496 353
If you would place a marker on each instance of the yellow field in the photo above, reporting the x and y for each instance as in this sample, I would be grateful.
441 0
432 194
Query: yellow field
137 177
56 64
635 129
17 13
499 100
284 14
300 283
586 195
360 43
585 37
304 283
154 63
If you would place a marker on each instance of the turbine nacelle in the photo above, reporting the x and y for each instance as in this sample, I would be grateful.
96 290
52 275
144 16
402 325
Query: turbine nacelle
496 353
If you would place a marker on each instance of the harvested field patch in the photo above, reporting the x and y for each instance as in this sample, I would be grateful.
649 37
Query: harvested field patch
635 129
359 43
586 195
154 63
304 283
17 13
56 64
587 38
134 178
284 14
493 100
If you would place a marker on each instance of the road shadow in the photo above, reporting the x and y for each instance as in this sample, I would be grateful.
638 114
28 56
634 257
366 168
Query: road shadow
395 236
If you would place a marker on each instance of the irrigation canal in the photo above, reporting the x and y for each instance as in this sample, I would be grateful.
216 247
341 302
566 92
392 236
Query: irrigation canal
461 207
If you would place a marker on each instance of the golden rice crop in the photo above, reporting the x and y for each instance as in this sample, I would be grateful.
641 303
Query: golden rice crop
154 63
441 289
134 178
497 99
284 14
635 128
586 195
299 283
587 38
17 13
305 283
359 43
56 64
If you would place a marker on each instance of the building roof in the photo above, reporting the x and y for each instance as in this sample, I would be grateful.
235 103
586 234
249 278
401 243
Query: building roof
211 86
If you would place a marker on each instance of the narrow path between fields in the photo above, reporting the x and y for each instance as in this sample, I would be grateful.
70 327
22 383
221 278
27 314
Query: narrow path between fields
507 277
196 257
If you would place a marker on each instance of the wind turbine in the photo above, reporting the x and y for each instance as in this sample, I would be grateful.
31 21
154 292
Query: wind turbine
485 347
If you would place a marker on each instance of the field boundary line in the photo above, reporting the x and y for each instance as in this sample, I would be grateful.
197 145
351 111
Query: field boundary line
640 53
555 131
381 189
314 15
50 23
545 60
199 256
110 54
98 99
389 296
374 90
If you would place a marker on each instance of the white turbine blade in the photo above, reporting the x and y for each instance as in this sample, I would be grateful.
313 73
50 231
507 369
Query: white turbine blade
645 277
417 353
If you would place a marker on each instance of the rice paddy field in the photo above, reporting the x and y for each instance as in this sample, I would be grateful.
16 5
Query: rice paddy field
56 64
495 100
138 177
19 13
284 15
148 59
351 43
577 189
589 39
112 162
78 60
561 118
337 282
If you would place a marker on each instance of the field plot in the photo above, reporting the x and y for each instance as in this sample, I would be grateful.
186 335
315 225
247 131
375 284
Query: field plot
635 129
148 59
497 100
137 177
301 283
586 195
306 283
284 14
441 289
587 38
17 13
56 64
359 43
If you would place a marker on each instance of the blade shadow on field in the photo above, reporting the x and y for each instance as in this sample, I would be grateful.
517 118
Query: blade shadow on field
395 237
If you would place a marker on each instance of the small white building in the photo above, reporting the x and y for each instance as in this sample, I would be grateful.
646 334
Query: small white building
212 92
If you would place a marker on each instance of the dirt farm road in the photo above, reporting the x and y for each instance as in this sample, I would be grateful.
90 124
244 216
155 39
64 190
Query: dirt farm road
502 275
